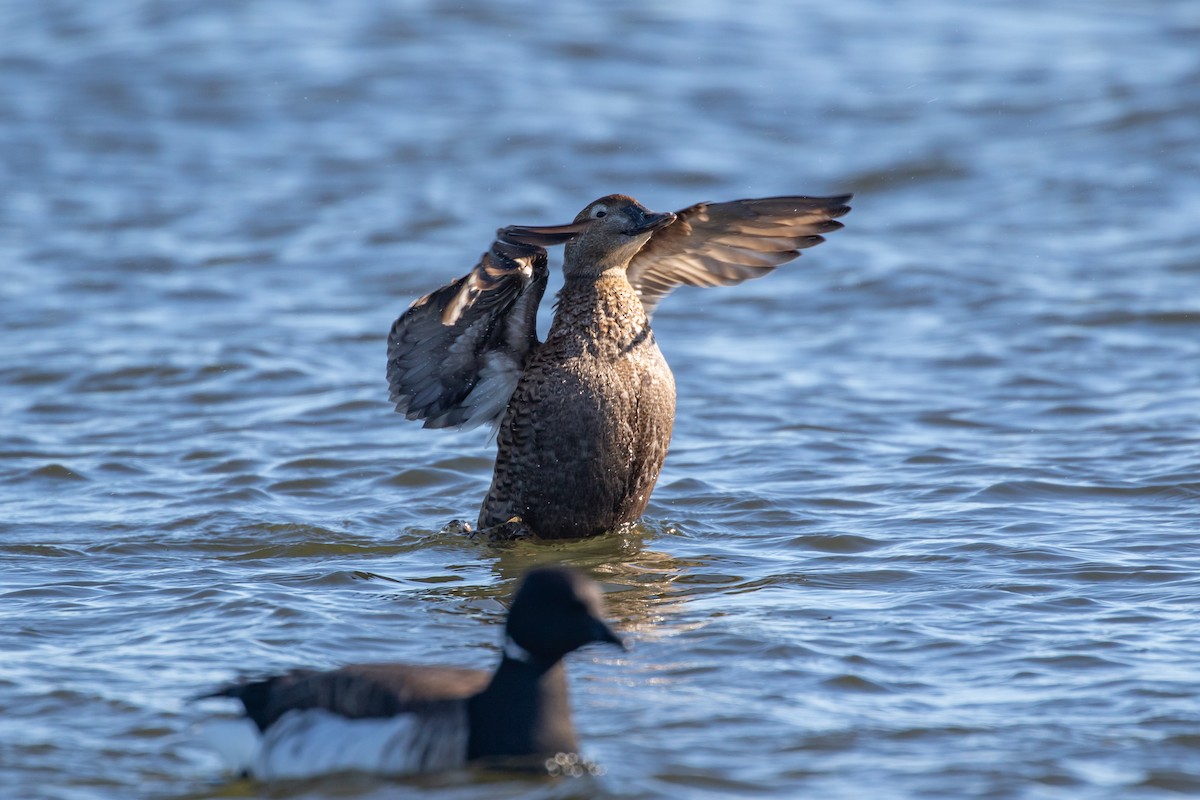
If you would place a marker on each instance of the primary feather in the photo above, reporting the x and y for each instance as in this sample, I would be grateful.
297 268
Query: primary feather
454 357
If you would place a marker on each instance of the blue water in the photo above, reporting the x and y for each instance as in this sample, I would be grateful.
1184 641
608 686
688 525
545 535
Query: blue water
928 527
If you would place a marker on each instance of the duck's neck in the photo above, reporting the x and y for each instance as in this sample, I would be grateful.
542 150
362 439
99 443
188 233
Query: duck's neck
524 711
604 312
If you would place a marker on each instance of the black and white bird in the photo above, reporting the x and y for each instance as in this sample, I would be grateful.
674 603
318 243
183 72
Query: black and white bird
400 719
584 417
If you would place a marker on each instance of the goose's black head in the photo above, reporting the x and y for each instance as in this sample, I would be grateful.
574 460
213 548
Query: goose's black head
555 611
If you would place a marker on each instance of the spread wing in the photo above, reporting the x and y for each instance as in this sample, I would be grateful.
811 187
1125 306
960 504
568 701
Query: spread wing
455 355
720 244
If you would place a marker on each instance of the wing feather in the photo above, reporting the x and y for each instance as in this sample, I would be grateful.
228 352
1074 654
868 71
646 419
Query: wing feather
455 355
355 692
720 244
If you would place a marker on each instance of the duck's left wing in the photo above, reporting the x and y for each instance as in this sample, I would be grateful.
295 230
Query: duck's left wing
454 357
720 244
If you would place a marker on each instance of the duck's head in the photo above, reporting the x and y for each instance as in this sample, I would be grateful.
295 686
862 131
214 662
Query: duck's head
607 233
555 611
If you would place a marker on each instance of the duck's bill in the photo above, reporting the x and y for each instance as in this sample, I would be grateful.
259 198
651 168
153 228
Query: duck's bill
649 221
544 236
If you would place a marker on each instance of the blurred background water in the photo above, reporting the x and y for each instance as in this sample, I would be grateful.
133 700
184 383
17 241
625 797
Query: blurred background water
929 523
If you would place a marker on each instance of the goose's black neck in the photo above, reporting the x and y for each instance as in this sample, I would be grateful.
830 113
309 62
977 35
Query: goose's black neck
524 711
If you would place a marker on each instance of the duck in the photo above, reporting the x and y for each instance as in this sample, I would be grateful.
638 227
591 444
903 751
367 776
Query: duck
584 418
402 719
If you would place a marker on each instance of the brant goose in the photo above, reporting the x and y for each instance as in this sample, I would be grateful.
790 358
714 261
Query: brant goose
585 417
399 719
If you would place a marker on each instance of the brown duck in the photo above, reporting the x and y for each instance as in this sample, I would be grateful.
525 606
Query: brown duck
585 416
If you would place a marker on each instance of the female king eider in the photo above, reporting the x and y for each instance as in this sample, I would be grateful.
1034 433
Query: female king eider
584 417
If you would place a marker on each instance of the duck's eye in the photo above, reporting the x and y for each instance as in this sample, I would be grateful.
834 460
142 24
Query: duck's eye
599 211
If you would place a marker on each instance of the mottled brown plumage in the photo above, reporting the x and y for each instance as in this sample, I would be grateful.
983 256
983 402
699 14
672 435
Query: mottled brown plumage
585 417
587 428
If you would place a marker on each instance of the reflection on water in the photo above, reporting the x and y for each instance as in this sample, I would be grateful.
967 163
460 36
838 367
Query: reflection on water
927 525
639 583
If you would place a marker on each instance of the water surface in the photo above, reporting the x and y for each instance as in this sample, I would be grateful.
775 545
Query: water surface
928 526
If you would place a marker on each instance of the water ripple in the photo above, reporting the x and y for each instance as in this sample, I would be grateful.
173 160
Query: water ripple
927 526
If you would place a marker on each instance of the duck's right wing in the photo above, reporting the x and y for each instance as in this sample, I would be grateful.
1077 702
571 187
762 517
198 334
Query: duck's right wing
454 357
